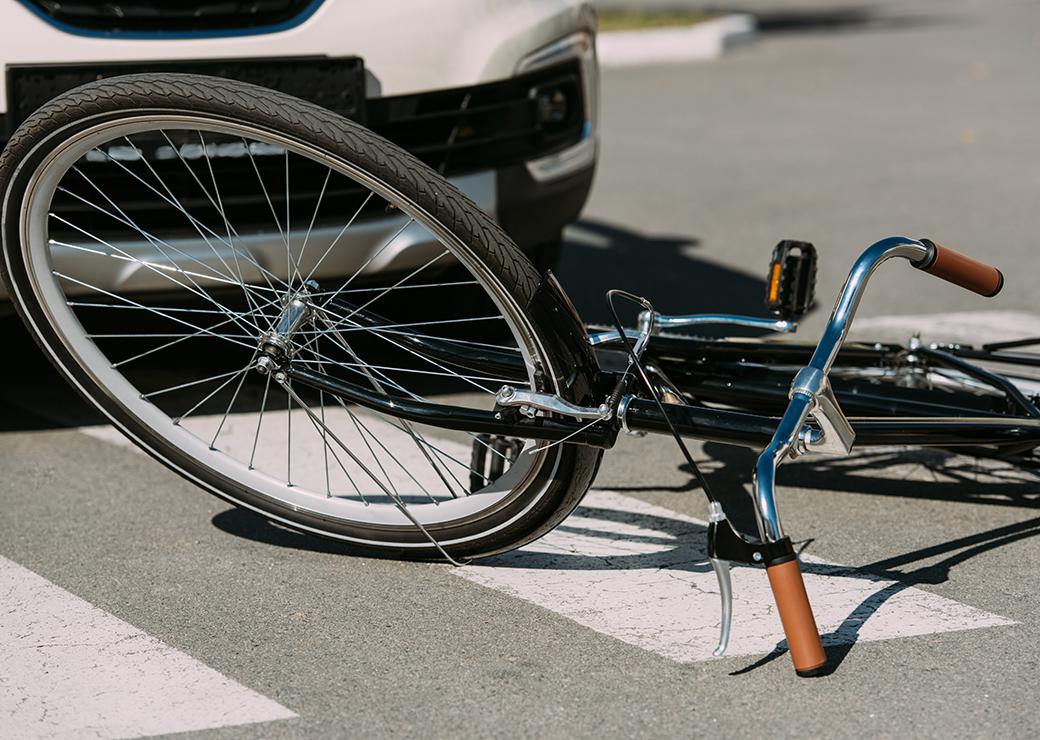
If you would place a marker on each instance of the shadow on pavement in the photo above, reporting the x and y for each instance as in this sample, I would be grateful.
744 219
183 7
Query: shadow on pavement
33 395
680 545
666 268
847 18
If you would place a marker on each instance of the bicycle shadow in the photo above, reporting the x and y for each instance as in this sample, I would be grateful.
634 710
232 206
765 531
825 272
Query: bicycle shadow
920 473
599 538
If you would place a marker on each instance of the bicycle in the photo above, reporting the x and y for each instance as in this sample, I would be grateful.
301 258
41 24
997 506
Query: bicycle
119 203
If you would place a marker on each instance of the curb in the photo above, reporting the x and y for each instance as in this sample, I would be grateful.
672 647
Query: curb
699 42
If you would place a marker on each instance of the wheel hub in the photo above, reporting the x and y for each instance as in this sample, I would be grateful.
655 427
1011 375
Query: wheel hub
276 346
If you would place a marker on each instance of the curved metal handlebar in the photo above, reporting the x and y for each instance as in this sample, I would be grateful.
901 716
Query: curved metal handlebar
811 394
803 398
851 293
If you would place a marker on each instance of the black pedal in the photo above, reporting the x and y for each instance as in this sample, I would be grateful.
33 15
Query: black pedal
791 283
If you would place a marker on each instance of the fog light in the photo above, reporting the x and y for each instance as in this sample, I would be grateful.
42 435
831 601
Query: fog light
553 107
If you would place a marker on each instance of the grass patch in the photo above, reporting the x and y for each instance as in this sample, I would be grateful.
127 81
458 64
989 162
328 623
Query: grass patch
633 20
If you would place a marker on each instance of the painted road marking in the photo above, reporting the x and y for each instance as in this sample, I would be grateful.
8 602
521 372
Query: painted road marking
638 572
307 463
69 669
972 327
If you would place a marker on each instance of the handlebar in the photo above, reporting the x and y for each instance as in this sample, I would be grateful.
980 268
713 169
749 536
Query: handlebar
810 396
958 269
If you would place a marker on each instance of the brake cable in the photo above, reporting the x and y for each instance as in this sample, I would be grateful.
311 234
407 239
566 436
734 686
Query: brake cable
635 361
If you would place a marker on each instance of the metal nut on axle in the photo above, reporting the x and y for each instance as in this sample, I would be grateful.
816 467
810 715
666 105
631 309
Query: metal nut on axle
265 364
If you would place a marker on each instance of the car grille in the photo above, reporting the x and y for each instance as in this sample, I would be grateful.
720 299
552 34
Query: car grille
488 125
454 131
164 16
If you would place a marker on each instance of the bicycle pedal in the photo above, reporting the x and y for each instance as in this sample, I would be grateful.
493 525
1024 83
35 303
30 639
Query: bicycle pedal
791 283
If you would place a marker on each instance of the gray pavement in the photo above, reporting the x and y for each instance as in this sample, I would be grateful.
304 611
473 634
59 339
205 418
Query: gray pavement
837 136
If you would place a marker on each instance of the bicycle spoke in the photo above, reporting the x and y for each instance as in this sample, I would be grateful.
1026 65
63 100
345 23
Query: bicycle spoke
382 293
339 318
335 241
291 267
119 297
137 335
178 206
371 257
219 205
450 284
194 221
161 270
231 403
259 421
189 384
310 226
165 309
267 196
398 502
219 388
415 436
321 428
288 439
324 360
385 449
168 344
448 372
325 444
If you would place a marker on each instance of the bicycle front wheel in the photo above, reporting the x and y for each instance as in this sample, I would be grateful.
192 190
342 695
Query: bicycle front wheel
159 231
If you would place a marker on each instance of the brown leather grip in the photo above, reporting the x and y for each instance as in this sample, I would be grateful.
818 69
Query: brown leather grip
803 639
954 267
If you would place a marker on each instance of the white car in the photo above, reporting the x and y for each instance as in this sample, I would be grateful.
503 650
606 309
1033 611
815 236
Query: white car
500 96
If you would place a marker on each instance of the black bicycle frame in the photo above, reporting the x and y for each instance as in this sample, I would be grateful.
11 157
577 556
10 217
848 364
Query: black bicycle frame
711 371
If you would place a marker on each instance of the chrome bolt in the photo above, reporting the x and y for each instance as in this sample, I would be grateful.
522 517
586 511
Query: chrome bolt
757 557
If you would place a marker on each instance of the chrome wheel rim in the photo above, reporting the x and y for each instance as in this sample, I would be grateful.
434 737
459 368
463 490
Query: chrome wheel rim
63 310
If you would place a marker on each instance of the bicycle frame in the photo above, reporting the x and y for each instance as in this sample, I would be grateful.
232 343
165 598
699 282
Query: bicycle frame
813 420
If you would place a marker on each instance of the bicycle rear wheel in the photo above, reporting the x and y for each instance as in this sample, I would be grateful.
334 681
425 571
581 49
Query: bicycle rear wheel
158 230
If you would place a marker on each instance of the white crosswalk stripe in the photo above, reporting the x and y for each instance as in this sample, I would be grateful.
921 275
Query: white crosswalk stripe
71 670
639 573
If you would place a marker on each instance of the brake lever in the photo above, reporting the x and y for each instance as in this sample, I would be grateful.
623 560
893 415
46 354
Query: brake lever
721 568
727 546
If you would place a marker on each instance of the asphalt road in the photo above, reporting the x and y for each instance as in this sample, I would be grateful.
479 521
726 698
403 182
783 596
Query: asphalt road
921 122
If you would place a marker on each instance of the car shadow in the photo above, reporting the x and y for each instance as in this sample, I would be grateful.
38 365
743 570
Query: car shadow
666 268
844 19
